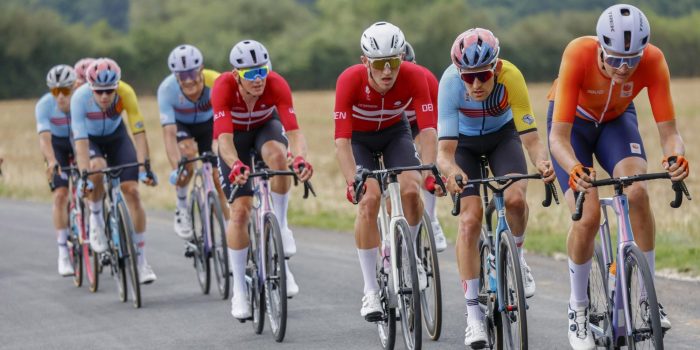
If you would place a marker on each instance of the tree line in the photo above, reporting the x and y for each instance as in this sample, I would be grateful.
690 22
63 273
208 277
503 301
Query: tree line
310 42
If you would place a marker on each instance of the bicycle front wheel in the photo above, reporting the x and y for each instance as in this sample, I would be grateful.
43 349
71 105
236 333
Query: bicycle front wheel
219 249
643 305
92 261
201 260
75 254
513 322
386 327
431 296
409 288
486 270
129 253
599 312
256 290
275 277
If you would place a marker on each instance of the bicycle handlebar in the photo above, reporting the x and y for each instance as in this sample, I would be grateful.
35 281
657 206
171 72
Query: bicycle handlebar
362 175
264 173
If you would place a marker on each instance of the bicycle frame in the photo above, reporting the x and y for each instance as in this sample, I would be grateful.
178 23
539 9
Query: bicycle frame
261 206
205 172
393 192
115 196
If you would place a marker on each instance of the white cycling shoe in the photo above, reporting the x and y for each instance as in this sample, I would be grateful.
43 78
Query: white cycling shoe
371 307
665 322
528 280
182 224
422 276
292 287
65 268
288 243
240 306
440 240
98 239
580 337
146 274
475 335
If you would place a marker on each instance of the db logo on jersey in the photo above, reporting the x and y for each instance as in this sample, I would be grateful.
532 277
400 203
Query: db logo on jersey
427 107
340 115
219 114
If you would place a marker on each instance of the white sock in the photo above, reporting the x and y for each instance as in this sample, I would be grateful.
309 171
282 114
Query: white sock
414 232
181 197
429 205
651 261
519 240
578 276
368 264
96 211
61 239
140 242
237 261
280 202
471 294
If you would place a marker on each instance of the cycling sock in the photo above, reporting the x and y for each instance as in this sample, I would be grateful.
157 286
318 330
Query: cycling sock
519 240
471 293
414 232
140 242
578 276
96 210
181 197
61 238
651 261
368 264
280 202
429 204
237 259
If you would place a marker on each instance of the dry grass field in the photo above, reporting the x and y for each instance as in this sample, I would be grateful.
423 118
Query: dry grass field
678 236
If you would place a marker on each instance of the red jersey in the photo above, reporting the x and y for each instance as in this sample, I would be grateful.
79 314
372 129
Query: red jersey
358 107
433 87
231 112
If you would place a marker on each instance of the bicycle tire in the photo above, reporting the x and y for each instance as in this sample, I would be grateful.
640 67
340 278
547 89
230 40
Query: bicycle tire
431 297
219 252
275 277
126 233
514 307
599 312
201 260
635 258
75 255
386 328
116 264
92 261
485 301
256 289
409 289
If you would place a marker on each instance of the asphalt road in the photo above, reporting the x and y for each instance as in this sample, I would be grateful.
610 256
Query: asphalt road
41 310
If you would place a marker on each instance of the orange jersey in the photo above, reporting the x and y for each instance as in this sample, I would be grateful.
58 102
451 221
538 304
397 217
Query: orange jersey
583 90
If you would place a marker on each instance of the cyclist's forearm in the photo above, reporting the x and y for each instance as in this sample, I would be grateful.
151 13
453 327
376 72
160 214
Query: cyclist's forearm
446 157
46 148
346 160
171 146
427 140
82 154
535 148
141 146
227 149
297 143
560 144
671 140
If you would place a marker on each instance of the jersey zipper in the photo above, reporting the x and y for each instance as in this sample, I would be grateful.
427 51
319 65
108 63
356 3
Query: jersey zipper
607 103
381 115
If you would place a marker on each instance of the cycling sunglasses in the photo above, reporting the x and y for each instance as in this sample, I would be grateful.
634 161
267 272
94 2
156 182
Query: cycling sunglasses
251 74
617 61
191 74
65 91
483 76
104 91
381 63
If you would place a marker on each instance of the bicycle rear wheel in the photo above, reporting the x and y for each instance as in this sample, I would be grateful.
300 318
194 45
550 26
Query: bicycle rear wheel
387 326
513 330
599 313
409 289
275 277
129 253
219 251
643 305
256 290
201 260
430 297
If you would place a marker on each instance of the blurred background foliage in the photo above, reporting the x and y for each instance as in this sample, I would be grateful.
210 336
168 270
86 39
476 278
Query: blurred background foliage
310 41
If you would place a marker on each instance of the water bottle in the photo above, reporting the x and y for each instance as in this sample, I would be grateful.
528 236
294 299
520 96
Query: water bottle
386 257
611 277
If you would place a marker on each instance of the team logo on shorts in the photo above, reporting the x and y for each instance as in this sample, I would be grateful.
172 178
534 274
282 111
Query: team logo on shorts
635 148
528 119
627 89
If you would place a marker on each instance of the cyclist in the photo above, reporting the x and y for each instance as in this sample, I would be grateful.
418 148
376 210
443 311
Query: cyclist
101 139
253 111
186 117
484 109
429 186
80 67
53 126
370 103
591 112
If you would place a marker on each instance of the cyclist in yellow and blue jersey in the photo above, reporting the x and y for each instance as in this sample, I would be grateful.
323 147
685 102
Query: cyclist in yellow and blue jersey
484 109
101 139
186 115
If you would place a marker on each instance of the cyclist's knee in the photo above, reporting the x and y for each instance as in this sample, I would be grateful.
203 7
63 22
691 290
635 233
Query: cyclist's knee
515 203
275 155
369 205
188 148
240 210
60 196
130 190
589 223
469 225
638 195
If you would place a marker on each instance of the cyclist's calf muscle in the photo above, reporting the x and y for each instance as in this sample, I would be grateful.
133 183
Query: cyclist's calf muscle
366 230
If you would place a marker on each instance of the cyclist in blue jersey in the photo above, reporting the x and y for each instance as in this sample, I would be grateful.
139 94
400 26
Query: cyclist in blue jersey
101 140
186 116
53 126
484 109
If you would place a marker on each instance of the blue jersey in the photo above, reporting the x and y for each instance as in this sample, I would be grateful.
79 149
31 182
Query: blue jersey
509 100
88 119
175 106
50 118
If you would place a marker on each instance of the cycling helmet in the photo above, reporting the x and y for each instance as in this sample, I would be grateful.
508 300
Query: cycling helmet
623 29
81 66
382 39
104 73
185 57
409 55
248 53
62 75
477 47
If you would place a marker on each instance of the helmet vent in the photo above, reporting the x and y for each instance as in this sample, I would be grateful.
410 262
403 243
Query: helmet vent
252 54
644 40
628 39
607 40
625 11
184 63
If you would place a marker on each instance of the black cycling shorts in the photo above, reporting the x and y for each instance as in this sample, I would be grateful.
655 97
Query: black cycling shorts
117 149
394 143
203 134
63 152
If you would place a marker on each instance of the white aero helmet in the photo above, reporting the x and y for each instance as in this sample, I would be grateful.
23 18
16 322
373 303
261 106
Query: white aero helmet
623 29
62 75
409 54
248 53
185 57
382 39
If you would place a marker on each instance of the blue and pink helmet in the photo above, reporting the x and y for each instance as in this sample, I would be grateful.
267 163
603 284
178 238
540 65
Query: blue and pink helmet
477 47
103 74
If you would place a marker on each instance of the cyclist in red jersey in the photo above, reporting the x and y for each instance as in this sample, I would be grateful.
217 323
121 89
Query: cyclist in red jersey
370 103
429 185
591 112
253 111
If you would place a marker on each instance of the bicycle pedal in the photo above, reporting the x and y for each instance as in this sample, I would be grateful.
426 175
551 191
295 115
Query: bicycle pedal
189 253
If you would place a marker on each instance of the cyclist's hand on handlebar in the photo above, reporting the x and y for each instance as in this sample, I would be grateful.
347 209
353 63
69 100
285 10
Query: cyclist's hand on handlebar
679 170
52 169
85 186
581 178
239 173
431 185
350 192
303 168
545 168
452 185
148 178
